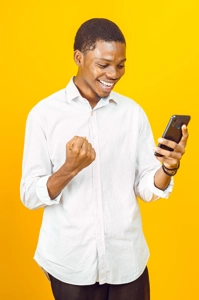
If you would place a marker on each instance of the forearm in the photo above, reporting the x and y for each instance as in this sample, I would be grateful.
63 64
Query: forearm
59 180
161 179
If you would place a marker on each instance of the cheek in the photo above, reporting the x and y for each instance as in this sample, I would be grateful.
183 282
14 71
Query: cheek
122 72
93 73
90 70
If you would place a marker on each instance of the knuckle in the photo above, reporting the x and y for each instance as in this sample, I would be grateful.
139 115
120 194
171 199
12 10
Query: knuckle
170 154
83 152
76 151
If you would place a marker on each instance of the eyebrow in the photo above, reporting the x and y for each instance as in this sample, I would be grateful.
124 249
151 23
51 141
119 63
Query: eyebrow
109 60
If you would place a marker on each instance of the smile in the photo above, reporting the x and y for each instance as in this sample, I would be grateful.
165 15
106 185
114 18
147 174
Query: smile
108 84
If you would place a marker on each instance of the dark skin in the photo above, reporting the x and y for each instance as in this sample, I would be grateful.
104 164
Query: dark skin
170 159
98 72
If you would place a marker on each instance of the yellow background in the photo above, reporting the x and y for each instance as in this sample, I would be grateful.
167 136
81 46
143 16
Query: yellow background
36 60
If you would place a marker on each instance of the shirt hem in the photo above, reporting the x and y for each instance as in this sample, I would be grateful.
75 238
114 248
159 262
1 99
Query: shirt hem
47 271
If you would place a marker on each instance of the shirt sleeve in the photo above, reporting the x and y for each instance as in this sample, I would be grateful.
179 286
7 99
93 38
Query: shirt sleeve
157 193
147 165
37 166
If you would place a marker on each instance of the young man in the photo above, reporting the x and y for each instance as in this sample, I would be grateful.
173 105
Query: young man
88 155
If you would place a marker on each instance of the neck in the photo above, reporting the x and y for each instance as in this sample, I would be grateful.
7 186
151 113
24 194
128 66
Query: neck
92 98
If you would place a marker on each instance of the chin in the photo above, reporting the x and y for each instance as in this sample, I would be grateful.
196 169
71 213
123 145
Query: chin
104 95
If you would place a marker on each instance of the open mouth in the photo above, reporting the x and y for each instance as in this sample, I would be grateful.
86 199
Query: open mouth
106 85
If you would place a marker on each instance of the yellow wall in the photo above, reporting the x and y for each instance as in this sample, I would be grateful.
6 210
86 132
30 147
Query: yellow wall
36 60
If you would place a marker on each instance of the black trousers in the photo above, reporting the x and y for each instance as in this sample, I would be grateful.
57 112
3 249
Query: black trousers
135 290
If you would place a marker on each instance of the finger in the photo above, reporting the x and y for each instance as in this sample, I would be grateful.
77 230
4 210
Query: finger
174 147
75 142
169 161
70 144
84 147
185 136
78 143
167 143
89 150
93 154
176 154
90 147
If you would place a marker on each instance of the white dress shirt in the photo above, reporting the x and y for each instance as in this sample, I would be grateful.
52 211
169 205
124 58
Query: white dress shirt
92 231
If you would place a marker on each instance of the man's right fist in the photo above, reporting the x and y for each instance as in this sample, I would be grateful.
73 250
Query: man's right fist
79 154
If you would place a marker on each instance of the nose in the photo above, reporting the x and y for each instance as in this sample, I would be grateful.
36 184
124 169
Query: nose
113 73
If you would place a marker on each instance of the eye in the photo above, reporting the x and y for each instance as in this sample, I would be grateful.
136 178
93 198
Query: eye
121 66
102 66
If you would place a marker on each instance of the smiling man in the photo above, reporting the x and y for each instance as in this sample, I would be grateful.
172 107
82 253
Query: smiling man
88 156
100 69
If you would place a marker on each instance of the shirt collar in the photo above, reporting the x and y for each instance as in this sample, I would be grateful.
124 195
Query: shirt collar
72 93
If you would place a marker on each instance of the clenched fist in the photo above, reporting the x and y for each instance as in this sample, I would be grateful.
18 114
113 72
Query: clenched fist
79 154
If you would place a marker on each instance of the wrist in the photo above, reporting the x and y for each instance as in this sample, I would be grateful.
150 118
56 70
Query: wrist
68 169
170 171
171 167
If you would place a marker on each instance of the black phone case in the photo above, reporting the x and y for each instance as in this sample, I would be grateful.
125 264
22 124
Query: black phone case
173 130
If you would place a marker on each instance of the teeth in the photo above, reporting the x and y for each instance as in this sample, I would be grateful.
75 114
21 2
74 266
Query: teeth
106 83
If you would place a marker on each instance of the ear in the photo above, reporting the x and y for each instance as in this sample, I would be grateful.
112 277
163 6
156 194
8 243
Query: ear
78 57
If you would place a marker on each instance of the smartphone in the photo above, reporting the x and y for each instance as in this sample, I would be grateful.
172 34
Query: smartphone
173 130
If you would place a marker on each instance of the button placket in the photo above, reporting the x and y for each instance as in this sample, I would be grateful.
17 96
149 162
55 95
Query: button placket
98 200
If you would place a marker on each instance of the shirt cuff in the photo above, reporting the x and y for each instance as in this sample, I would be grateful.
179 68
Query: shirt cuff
42 192
157 193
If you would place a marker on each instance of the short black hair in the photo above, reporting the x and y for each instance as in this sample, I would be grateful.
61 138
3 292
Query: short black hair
97 29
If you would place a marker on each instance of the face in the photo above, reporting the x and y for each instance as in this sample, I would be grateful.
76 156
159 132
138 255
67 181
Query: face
100 69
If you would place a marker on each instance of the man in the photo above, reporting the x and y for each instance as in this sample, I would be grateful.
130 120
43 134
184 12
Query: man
89 153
